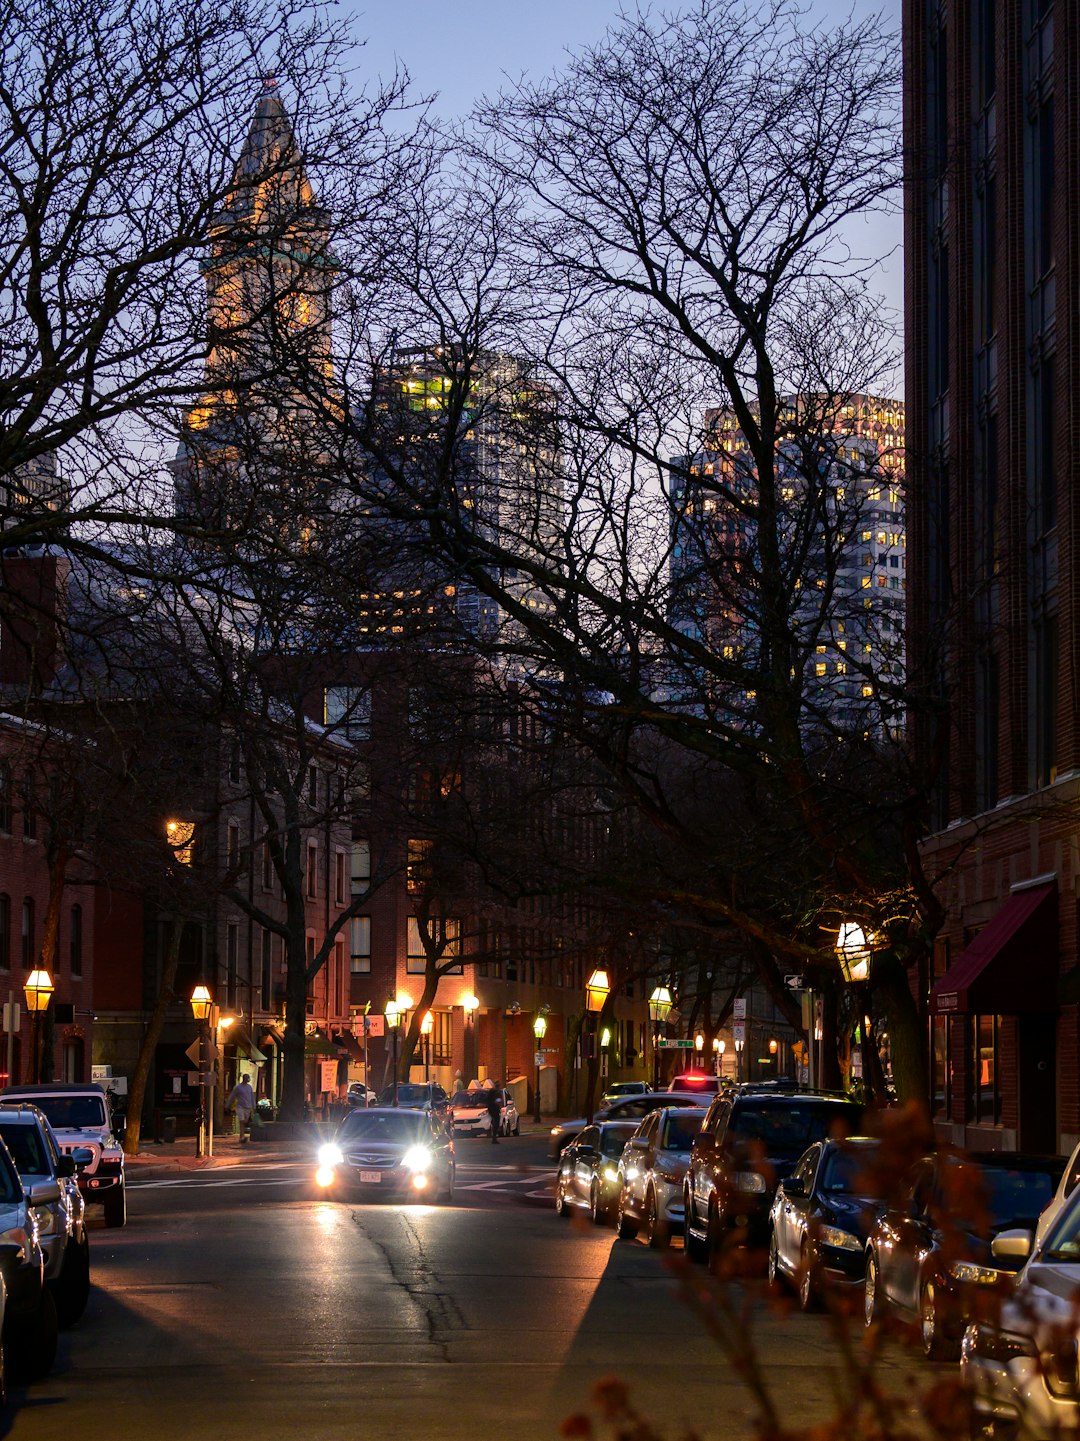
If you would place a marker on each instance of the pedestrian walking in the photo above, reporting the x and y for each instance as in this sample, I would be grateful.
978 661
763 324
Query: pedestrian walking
242 1101
494 1110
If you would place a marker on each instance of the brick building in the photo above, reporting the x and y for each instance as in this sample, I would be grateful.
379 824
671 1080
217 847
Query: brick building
992 231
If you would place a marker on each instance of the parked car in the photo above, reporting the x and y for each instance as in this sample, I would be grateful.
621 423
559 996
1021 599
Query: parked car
418 1096
1070 1177
50 1178
472 1117
386 1152
28 1318
822 1216
748 1142
81 1120
929 1258
588 1173
1020 1365
699 1082
631 1108
651 1170
359 1095
619 1089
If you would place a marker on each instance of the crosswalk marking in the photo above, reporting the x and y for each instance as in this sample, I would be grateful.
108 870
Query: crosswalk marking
202 1181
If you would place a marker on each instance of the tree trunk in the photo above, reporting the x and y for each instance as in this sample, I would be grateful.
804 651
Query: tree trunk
907 1040
151 1036
568 1088
831 1076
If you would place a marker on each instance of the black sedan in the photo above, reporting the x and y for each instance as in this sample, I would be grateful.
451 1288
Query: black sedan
418 1096
589 1170
928 1258
821 1217
388 1154
629 1108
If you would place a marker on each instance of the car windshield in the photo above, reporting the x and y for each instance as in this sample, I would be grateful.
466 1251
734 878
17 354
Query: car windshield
625 1088
394 1127
407 1095
613 1139
27 1149
474 1100
10 1190
680 1132
72 1112
788 1128
1014 1197
845 1172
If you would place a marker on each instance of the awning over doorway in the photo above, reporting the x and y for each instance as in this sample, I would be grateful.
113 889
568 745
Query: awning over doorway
245 1046
319 1046
347 1042
1010 968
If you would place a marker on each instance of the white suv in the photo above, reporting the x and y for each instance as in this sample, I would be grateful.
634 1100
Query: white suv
79 1116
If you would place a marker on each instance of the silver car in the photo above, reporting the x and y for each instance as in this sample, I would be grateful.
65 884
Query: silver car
472 1117
382 1153
651 1172
1023 1366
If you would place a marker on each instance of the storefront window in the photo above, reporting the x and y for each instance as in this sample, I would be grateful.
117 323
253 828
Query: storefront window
985 1039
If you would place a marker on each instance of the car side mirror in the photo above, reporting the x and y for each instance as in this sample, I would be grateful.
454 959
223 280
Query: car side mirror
640 1143
1011 1245
794 1186
82 1156
44 1193
68 1165
586 1153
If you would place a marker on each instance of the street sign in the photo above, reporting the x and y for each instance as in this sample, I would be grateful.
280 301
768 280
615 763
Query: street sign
375 1025
793 983
738 1008
202 1078
738 1031
202 1051
12 1011
538 1059
669 1045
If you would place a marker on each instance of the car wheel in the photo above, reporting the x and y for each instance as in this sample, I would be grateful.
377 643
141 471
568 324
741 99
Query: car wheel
72 1289
872 1306
714 1234
31 1349
625 1225
695 1248
562 1208
116 1207
597 1209
776 1280
935 1343
807 1289
656 1231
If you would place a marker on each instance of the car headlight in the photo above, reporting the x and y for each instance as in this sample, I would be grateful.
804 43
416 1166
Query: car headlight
556 1130
610 1173
751 1181
46 1221
974 1275
842 1240
417 1158
330 1155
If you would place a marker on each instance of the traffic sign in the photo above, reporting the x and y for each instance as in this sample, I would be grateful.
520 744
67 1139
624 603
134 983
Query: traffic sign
680 1045
203 1051
738 1031
738 1008
375 1025
793 983
538 1058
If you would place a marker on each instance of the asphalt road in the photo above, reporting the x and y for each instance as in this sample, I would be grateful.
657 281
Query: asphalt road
235 1304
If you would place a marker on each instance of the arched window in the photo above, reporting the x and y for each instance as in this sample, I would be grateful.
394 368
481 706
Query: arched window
75 942
28 933
5 931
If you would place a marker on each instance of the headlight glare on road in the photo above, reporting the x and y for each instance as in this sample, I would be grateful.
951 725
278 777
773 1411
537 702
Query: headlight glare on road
330 1155
417 1158
974 1275
324 1176
752 1181
842 1240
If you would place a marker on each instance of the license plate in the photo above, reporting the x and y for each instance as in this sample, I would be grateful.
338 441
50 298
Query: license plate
370 1177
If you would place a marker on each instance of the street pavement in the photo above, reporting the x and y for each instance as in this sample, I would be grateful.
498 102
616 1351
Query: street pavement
238 1302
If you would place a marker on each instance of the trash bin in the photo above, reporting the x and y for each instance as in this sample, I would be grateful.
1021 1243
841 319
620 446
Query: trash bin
168 1129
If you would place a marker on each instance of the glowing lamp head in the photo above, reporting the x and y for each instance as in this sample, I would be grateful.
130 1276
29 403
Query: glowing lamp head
597 989
540 1027
201 1003
39 987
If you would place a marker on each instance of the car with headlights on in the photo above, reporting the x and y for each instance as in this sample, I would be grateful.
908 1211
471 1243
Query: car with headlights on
929 1258
749 1141
630 1108
588 1174
1021 1364
472 1117
822 1215
651 1169
383 1152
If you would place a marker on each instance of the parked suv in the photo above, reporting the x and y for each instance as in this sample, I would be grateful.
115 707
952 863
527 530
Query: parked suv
50 1179
79 1115
748 1143
27 1308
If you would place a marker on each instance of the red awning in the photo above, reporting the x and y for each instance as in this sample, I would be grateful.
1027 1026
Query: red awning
1011 967
350 1045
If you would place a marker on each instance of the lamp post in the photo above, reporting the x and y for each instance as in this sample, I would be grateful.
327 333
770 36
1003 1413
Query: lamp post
660 1004
470 1004
393 1020
597 990
774 1046
201 1006
38 988
425 1031
719 1047
853 953
738 1060
539 1031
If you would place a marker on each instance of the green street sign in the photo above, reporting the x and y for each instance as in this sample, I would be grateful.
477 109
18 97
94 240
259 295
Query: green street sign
666 1045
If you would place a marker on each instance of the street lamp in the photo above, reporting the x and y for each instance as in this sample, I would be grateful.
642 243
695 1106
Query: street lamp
425 1030
853 953
660 1004
539 1031
738 1060
597 990
39 988
202 1004
393 1021
718 1055
699 1046
774 1046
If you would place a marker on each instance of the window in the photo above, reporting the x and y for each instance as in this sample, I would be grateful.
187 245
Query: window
361 867
267 866
5 931
313 785
232 846
348 708
418 866
312 870
29 806
441 1039
232 961
1044 178
445 936
75 940
28 933
265 970
339 878
416 956
360 945
985 1045
1046 676
234 763
941 1067
5 798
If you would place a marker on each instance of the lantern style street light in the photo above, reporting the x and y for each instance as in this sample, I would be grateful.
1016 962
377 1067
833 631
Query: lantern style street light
393 1021
738 1060
202 1003
38 988
426 1025
539 1031
853 954
597 990
660 1004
